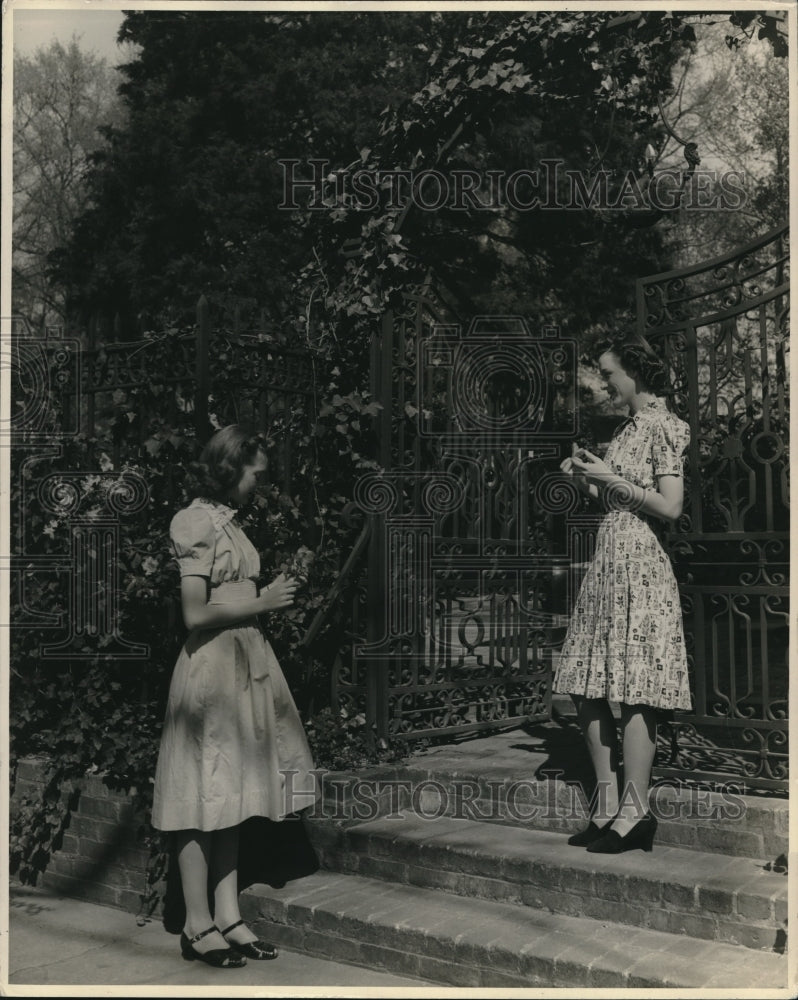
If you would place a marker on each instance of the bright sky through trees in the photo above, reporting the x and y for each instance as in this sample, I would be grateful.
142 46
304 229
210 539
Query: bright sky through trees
96 30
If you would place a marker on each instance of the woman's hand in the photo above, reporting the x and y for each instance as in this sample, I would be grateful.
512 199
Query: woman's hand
568 468
279 594
585 463
567 464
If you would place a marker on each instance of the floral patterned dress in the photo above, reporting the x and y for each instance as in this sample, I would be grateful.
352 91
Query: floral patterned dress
232 745
625 640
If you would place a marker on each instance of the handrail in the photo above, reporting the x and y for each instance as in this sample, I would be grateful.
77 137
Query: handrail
708 265
337 588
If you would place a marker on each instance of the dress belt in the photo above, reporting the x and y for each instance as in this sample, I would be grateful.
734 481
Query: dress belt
257 667
233 590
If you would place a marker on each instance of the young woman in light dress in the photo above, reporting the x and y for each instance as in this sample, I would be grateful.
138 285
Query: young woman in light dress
625 641
232 731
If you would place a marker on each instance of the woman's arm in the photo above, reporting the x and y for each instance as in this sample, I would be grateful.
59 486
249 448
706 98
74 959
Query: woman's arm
199 614
666 502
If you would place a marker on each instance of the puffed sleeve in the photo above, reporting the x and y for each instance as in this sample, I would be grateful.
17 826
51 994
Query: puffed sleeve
669 442
193 541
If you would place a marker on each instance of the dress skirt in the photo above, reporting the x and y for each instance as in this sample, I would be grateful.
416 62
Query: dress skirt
233 745
625 640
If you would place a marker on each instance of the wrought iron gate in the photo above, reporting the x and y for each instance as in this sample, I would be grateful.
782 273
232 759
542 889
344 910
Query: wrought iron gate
724 329
467 526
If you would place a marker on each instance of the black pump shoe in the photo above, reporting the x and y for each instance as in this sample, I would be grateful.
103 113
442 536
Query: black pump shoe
219 958
261 951
589 834
641 835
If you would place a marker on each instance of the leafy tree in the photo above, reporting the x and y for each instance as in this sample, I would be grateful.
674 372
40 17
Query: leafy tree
736 110
62 97
576 88
186 198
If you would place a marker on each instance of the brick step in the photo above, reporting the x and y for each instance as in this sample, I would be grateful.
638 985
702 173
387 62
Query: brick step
709 896
446 939
693 819
534 778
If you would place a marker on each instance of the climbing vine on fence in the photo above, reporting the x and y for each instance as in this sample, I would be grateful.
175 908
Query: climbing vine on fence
85 710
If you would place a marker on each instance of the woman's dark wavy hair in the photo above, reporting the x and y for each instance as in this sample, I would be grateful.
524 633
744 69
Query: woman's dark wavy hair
222 461
639 360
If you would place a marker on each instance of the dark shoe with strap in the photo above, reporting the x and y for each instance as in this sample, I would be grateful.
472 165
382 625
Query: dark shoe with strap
641 835
261 951
589 834
219 958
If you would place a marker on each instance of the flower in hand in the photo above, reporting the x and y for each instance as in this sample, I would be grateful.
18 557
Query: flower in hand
280 593
298 567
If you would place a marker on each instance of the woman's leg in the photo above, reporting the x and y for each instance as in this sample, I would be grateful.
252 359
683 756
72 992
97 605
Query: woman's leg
639 724
193 848
224 883
598 727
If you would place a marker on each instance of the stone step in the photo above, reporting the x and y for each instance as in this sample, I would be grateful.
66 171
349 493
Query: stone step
446 939
534 778
709 896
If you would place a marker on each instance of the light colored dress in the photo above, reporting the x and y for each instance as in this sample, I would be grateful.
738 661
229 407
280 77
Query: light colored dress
232 745
625 640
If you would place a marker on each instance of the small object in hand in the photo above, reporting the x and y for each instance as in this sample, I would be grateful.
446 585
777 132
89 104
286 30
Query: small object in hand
299 565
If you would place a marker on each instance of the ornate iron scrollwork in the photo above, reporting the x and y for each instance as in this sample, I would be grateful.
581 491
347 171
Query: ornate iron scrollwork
722 328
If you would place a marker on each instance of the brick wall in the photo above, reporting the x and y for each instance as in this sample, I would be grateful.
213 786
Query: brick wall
102 856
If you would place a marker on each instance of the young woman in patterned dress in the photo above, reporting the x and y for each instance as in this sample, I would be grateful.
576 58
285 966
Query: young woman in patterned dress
625 641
